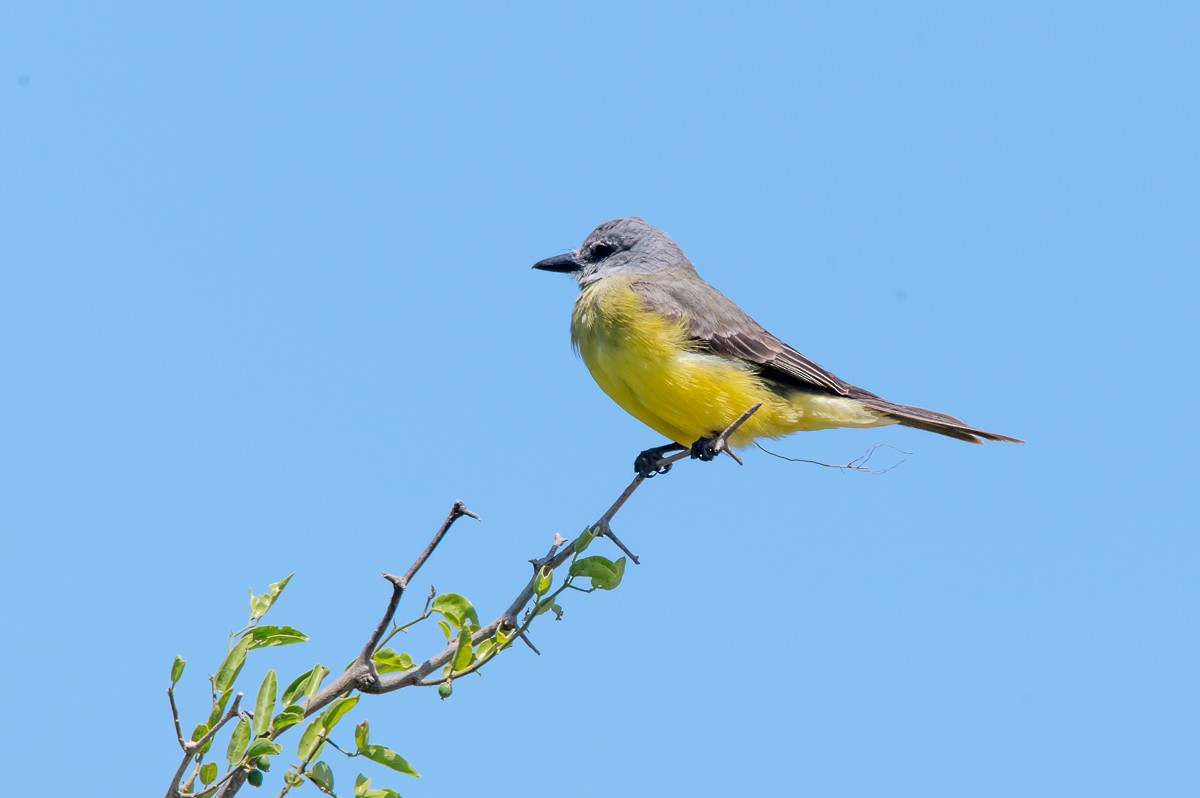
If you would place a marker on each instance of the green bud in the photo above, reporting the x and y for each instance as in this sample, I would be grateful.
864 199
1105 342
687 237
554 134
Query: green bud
584 540
545 579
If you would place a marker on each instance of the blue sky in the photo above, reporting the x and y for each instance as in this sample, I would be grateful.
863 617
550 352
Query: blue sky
266 307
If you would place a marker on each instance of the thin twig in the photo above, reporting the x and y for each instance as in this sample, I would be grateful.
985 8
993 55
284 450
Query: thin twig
191 747
399 583
175 717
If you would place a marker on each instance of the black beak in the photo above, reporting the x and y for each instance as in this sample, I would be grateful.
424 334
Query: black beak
560 263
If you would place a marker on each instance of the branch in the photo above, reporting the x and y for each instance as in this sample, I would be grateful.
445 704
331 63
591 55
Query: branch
190 748
361 674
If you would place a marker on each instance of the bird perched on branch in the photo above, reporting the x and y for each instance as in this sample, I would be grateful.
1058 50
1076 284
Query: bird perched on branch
683 359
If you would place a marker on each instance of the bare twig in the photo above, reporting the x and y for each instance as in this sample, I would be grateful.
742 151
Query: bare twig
400 583
175 717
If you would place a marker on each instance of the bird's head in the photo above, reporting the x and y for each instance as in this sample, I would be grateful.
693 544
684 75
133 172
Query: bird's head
629 246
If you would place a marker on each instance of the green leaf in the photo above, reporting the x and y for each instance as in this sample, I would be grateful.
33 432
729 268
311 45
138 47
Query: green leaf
388 661
237 743
177 669
604 573
261 747
263 636
336 710
362 789
584 540
321 776
208 772
463 655
312 741
388 758
199 731
289 717
232 665
304 685
218 707
362 735
445 627
260 604
265 705
485 649
456 608
545 605
292 779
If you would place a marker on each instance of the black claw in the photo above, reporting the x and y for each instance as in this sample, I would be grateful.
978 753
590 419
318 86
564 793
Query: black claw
646 463
703 449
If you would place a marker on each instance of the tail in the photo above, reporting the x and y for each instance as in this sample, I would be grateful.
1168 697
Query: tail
931 421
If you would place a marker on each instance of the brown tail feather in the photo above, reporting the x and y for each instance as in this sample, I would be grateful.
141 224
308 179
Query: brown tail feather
932 421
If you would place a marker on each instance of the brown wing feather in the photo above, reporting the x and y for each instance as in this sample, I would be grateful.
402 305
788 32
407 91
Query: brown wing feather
721 327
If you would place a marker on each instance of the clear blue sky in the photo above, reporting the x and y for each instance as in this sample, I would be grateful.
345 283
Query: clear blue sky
266 306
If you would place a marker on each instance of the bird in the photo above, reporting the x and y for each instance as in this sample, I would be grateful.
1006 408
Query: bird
682 358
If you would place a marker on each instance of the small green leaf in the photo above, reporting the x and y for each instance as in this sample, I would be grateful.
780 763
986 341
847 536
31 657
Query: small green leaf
208 772
336 710
237 743
485 649
218 707
260 604
463 656
362 789
263 636
265 705
362 735
545 605
177 669
388 661
388 758
199 731
321 776
292 779
312 741
289 717
232 665
584 540
445 627
452 604
446 689
261 747
304 685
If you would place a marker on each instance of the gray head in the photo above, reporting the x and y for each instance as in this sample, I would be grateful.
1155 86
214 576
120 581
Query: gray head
621 246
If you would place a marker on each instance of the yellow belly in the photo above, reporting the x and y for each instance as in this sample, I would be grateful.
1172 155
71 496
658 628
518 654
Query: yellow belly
649 367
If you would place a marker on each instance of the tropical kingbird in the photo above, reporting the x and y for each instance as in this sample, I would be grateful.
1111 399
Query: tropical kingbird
683 359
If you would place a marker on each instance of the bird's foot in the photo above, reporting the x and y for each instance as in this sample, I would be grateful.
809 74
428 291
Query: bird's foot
707 449
647 463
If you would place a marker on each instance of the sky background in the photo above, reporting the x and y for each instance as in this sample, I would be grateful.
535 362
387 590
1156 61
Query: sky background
266 307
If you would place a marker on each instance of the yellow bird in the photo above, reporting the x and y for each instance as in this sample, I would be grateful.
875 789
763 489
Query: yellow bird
684 360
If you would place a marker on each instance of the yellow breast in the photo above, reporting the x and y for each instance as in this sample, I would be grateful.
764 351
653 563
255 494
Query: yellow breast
648 365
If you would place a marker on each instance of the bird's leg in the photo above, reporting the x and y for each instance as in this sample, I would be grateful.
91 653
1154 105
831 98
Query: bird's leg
646 463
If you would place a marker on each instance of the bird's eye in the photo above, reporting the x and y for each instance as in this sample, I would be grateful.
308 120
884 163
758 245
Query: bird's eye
602 250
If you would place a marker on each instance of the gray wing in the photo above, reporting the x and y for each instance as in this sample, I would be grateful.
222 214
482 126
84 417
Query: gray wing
724 329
